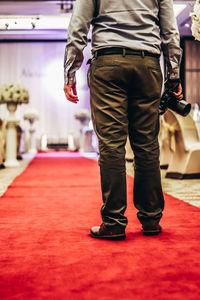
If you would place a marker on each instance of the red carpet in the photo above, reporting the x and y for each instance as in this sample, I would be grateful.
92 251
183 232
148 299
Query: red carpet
46 252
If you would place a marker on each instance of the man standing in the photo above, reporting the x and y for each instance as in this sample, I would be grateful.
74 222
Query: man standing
125 88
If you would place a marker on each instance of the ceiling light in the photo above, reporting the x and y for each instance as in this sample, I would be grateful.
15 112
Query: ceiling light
178 8
34 22
66 8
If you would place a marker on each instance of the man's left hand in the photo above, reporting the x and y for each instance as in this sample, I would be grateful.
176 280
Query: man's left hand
178 94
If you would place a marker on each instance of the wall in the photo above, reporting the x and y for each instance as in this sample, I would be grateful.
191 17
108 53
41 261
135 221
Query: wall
38 66
192 71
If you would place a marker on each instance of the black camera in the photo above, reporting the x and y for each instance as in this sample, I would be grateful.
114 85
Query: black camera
168 100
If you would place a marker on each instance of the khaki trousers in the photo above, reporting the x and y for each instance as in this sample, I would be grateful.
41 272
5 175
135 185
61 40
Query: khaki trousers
125 94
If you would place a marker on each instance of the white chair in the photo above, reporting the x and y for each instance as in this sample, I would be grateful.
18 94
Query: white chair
185 158
165 143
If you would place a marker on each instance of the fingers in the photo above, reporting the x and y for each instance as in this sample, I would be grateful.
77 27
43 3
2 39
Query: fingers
179 97
178 94
71 93
72 98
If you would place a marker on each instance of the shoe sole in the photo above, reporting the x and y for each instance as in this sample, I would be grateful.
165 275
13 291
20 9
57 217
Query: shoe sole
148 233
108 237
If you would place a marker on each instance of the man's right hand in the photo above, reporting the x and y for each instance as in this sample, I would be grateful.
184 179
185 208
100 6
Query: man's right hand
71 93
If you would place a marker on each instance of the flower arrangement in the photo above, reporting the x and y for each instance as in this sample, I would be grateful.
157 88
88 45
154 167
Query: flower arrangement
196 21
82 115
31 114
13 93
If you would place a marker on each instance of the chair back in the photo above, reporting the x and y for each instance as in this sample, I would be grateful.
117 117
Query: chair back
185 129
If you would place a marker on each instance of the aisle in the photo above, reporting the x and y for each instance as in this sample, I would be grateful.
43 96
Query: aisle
46 251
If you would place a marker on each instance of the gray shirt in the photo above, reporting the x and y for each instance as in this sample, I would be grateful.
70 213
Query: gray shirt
136 24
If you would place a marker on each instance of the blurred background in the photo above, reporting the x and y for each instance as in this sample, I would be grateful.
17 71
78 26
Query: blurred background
33 36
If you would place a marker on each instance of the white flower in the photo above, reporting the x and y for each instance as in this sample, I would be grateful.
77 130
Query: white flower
31 114
196 31
13 93
83 114
197 10
196 21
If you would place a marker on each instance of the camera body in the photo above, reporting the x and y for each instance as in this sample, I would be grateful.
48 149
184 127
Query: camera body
168 100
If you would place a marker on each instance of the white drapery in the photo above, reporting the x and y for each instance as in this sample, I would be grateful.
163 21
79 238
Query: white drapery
38 66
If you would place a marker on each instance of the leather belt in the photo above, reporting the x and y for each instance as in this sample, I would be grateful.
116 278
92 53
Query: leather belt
124 52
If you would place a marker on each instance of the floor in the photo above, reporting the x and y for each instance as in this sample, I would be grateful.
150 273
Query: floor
7 175
187 190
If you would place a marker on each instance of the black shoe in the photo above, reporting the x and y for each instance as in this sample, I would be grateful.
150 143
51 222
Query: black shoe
101 232
151 229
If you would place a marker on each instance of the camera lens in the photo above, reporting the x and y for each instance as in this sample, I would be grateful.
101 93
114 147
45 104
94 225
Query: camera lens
181 107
